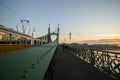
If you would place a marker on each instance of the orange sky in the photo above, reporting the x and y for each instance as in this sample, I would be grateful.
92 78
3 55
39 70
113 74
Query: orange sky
78 38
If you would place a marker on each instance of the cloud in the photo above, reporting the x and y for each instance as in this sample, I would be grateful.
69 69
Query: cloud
103 41
90 38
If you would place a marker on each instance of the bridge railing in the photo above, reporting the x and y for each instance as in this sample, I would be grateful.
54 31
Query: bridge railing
104 60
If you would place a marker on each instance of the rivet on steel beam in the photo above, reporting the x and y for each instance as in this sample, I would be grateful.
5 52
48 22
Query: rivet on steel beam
41 57
33 67
26 70
38 60
44 55
33 64
24 76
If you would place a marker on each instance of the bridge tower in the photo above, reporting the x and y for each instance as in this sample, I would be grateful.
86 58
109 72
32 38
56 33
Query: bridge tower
49 38
70 35
24 26
58 33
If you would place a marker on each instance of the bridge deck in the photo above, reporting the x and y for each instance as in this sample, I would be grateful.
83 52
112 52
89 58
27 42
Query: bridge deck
69 67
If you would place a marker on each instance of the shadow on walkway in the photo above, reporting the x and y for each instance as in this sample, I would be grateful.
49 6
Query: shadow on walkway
69 67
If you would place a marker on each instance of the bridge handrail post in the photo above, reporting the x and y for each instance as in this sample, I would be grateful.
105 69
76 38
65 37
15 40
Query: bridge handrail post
92 57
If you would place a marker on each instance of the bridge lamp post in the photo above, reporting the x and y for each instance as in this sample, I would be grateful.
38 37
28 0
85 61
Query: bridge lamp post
32 40
24 21
58 33
70 36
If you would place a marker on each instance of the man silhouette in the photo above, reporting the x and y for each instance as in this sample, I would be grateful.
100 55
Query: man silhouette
63 46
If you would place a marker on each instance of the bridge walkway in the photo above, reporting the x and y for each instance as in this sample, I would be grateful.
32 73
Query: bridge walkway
69 67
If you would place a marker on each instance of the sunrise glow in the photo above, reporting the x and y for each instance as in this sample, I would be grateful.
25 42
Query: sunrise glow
87 38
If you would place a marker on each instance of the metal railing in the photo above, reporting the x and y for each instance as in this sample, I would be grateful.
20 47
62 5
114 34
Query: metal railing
104 60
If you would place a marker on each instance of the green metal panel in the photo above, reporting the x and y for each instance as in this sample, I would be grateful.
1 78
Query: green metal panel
27 64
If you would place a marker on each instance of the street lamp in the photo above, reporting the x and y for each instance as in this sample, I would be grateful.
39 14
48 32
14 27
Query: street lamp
70 35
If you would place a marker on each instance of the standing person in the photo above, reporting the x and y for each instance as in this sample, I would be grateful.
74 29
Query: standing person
66 47
63 46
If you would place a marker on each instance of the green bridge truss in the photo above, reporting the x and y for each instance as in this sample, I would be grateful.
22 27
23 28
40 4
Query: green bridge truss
28 64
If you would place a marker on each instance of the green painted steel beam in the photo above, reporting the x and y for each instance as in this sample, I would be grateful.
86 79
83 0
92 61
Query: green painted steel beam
27 64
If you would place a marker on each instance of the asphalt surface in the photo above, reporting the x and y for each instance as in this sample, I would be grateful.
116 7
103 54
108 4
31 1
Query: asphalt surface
69 67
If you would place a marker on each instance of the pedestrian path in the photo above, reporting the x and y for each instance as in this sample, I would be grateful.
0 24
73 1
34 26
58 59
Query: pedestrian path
69 67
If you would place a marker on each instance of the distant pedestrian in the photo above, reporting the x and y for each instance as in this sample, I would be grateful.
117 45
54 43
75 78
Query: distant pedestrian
66 47
63 46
